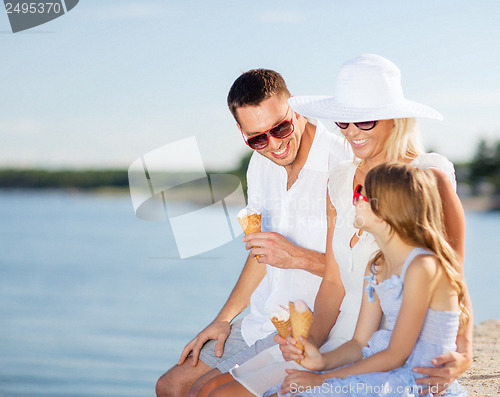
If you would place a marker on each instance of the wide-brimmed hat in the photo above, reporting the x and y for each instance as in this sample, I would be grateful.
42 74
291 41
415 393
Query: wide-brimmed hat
368 88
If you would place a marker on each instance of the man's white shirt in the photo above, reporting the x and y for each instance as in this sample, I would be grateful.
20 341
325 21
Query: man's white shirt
299 214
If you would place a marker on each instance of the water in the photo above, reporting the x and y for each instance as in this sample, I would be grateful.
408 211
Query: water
93 301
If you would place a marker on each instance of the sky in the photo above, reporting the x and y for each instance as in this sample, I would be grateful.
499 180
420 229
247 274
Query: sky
114 79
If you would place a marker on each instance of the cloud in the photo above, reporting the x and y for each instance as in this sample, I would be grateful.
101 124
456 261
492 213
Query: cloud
18 126
483 98
280 16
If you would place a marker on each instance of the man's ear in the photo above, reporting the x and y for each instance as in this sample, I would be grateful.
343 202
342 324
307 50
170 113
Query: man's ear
241 130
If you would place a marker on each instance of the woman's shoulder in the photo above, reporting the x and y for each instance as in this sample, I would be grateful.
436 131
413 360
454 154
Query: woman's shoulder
428 160
340 177
342 171
438 161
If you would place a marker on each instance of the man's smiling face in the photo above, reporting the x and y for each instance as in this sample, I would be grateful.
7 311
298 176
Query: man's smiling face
253 120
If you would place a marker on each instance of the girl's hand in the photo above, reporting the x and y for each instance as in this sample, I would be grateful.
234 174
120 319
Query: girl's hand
312 358
297 381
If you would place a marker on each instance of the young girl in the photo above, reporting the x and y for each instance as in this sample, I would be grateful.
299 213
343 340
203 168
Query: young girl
414 280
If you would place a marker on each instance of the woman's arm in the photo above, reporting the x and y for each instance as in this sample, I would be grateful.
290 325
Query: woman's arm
453 364
328 300
331 291
369 319
368 323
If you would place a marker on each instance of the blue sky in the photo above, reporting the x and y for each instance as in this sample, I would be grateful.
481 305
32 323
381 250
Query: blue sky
112 80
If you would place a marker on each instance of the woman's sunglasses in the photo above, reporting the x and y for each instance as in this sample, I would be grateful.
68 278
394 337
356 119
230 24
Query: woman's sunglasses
279 131
363 125
358 196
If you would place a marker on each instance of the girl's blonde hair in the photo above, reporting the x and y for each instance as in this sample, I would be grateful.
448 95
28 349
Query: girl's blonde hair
404 141
407 198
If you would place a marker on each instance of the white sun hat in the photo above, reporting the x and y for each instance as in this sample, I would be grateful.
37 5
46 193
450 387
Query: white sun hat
368 88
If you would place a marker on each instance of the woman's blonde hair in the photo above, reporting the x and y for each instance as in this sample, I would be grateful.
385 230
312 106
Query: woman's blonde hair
404 141
407 198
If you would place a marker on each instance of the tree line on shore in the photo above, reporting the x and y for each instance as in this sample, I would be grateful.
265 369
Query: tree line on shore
84 179
484 167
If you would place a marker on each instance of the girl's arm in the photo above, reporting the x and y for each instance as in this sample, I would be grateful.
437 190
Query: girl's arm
420 283
368 323
331 291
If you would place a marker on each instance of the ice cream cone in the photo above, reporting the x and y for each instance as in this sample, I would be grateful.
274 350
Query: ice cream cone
282 327
301 323
250 223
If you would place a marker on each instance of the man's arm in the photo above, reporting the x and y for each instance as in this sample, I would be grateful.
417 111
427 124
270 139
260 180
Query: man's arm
276 250
250 277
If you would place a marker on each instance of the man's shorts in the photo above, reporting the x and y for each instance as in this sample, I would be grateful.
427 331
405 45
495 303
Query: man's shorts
236 351
234 344
247 354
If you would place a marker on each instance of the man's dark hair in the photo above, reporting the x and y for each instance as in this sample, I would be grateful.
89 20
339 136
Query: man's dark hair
255 86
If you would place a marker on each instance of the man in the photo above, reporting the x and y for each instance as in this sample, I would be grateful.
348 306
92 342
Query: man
287 180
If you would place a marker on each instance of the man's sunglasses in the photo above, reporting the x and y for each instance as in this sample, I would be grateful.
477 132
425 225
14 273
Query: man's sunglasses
363 125
279 131
358 196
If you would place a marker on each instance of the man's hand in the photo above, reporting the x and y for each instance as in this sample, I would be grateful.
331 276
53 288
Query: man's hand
272 248
215 330
288 349
449 366
275 250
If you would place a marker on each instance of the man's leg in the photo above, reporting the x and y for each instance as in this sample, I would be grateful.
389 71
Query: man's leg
177 381
220 375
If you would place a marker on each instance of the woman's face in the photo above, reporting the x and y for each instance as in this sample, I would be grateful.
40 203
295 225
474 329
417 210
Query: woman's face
369 145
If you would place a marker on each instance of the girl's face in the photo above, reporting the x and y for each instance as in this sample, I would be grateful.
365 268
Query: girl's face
369 145
364 214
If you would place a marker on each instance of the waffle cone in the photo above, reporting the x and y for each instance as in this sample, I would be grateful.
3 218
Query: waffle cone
250 223
301 324
282 326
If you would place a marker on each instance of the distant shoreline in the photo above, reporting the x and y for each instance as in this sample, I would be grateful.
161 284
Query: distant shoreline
481 203
470 203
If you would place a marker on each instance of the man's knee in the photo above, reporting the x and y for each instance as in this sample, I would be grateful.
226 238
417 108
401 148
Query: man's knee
169 385
178 380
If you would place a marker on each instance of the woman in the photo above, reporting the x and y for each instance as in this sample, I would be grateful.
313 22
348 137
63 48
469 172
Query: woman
379 123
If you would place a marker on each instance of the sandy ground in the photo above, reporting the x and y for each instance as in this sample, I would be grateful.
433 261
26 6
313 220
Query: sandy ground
483 377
